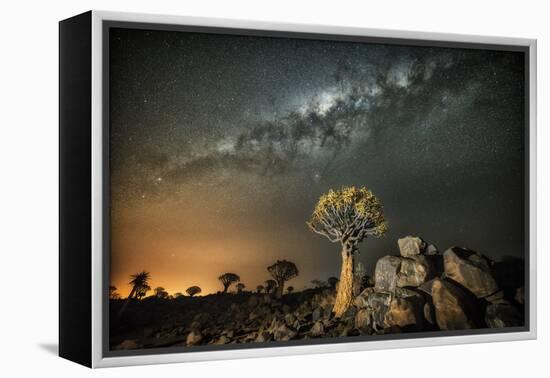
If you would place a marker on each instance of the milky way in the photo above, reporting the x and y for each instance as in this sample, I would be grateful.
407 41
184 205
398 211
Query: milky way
221 145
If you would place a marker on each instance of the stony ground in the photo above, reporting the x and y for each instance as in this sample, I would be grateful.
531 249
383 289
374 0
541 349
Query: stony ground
420 289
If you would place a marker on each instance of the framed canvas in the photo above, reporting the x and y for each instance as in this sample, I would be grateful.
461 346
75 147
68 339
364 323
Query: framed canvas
240 189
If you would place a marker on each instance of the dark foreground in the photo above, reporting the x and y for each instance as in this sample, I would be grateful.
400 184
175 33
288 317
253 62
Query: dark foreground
418 290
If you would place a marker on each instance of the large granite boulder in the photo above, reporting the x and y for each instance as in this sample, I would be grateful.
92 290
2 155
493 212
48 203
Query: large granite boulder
405 312
379 303
471 270
411 246
454 309
361 301
501 315
363 320
413 271
284 333
317 330
193 338
385 273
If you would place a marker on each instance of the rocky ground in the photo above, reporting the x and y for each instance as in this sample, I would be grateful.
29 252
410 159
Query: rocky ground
421 289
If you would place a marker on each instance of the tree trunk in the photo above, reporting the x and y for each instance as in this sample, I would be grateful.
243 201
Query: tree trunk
225 288
123 308
345 287
280 287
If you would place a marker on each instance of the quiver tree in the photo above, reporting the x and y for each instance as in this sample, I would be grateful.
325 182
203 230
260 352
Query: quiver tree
240 287
193 290
139 280
270 285
347 216
161 293
332 281
227 279
281 272
142 291
112 293
260 288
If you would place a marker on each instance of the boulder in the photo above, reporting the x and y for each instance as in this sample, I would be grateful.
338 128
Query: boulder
223 340
497 297
378 303
385 274
284 333
262 337
411 246
363 320
361 301
426 287
193 338
470 270
290 319
128 344
317 330
453 307
429 313
404 312
317 314
413 271
431 250
503 315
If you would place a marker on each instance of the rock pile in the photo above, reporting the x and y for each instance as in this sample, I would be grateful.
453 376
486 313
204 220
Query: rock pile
420 289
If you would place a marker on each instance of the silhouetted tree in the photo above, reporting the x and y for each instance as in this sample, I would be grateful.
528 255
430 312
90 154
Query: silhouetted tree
260 288
332 281
290 289
178 295
142 291
112 293
193 290
270 285
227 279
347 216
138 281
161 293
240 286
282 271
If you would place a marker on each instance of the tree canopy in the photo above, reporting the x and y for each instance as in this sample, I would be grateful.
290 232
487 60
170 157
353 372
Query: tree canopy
348 215
227 279
193 290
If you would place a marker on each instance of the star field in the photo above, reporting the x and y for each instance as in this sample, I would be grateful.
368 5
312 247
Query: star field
221 145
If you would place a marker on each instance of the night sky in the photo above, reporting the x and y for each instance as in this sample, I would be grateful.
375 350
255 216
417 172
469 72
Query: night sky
221 146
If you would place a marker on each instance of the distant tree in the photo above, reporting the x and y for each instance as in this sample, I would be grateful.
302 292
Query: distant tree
290 289
260 288
178 295
270 285
281 272
332 281
347 216
161 293
112 293
193 290
240 287
138 281
142 291
227 279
